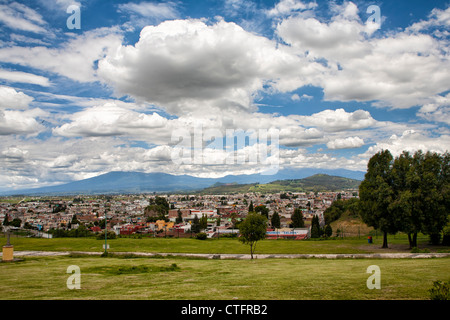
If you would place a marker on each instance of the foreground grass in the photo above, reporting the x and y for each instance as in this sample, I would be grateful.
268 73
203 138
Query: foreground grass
398 243
197 279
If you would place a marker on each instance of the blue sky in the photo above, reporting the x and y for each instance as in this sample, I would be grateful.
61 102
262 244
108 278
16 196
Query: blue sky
130 88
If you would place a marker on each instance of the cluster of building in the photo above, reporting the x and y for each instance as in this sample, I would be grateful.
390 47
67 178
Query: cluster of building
126 214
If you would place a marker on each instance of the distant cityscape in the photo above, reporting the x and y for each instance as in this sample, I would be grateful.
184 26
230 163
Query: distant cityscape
133 214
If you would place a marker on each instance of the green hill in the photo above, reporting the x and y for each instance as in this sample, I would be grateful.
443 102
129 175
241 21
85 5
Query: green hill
315 183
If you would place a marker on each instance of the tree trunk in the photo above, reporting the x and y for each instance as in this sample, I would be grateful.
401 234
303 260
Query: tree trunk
412 240
385 243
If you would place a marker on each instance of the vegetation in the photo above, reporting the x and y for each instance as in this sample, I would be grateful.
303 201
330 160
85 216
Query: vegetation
339 207
133 278
315 183
81 231
263 210
409 194
440 291
297 219
201 236
252 230
275 220
110 235
158 208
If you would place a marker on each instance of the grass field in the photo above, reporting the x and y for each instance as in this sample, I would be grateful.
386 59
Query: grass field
180 278
198 279
399 243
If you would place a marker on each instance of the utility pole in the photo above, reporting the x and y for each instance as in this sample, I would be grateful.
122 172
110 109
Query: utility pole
106 234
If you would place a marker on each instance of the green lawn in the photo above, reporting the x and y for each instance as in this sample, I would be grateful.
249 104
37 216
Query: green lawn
188 245
198 279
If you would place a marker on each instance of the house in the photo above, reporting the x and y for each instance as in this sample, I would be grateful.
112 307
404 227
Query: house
288 233
96 229
161 224
173 213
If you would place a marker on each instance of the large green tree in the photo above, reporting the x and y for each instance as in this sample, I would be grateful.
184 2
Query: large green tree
376 195
430 192
405 205
252 230
408 194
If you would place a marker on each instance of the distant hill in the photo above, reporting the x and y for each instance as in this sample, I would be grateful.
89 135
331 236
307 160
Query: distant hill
315 183
118 182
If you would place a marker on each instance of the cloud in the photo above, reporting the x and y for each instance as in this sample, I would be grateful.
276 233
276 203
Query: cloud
166 10
110 120
189 67
147 13
75 59
411 141
437 110
11 99
24 77
20 17
288 7
296 97
338 120
20 122
388 70
436 18
346 143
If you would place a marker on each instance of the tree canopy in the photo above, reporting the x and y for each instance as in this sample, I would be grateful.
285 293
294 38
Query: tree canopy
253 229
409 193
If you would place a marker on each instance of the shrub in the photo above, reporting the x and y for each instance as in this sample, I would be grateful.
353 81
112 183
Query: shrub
111 235
440 291
201 236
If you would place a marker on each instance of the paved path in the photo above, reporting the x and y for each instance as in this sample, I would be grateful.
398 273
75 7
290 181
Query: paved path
247 256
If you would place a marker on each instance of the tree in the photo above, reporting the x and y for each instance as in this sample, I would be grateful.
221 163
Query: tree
433 172
16 223
5 220
275 220
195 225
328 231
297 219
404 182
179 218
203 222
250 207
263 210
75 220
376 195
420 186
253 229
316 230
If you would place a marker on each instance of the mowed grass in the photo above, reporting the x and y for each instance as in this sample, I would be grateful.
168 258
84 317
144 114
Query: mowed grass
174 278
399 243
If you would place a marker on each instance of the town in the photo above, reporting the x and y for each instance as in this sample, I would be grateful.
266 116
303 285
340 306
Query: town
173 215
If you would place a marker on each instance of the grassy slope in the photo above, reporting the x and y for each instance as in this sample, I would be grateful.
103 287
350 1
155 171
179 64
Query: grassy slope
318 182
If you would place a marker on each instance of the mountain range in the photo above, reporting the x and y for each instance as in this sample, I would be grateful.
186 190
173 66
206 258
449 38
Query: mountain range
118 182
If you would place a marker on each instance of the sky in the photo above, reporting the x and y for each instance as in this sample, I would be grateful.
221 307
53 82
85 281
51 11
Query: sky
210 88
